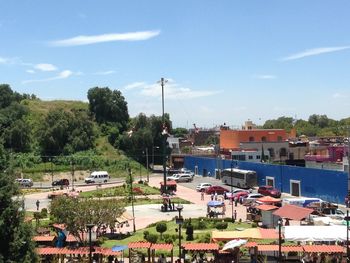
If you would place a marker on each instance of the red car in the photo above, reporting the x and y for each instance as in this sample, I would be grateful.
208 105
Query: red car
269 190
240 195
216 189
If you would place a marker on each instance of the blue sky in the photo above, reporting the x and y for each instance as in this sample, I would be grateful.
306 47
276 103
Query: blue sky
225 61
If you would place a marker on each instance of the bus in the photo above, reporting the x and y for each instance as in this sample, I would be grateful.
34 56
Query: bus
239 178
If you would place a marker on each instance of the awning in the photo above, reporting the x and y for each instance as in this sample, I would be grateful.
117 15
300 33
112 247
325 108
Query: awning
268 199
139 244
171 182
315 233
80 250
249 233
293 212
162 246
266 207
43 238
323 249
215 203
124 218
201 246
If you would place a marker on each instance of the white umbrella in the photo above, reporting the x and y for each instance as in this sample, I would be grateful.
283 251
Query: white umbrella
234 243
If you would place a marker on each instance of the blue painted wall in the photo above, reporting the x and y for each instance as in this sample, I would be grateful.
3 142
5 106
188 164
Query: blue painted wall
325 184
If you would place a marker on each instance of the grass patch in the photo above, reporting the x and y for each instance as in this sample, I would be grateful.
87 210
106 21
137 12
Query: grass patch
121 190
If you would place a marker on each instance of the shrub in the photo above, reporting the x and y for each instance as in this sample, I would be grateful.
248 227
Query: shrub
161 227
202 225
44 213
152 238
145 234
254 225
221 225
204 238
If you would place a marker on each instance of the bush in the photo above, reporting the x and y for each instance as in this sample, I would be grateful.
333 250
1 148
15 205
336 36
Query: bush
44 213
152 238
254 225
204 238
202 225
145 234
161 227
221 225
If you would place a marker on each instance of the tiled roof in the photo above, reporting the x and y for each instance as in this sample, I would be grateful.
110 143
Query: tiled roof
268 199
323 248
71 238
81 251
43 238
162 246
249 233
201 246
283 248
140 244
171 182
293 212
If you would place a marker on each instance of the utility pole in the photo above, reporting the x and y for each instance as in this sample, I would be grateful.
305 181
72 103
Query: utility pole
132 198
348 201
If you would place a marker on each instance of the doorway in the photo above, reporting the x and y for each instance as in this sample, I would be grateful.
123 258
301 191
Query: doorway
295 188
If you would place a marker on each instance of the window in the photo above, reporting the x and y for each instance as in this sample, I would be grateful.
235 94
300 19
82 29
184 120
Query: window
258 157
283 152
250 157
295 188
251 139
270 181
263 139
272 152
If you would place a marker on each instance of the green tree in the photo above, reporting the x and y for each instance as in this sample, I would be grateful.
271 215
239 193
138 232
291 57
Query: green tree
180 132
15 235
221 225
108 106
76 213
161 227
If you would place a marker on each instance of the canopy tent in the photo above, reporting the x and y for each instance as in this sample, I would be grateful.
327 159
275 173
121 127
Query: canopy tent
293 212
315 233
268 199
215 203
249 233
234 243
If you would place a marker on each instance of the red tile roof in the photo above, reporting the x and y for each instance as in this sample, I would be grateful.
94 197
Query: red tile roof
80 250
266 207
268 199
171 182
323 248
293 212
201 246
283 248
43 238
140 244
162 246
71 238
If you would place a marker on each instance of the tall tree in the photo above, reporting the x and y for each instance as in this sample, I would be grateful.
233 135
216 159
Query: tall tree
108 106
15 234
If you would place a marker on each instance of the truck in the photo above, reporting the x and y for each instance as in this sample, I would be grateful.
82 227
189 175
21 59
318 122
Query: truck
302 201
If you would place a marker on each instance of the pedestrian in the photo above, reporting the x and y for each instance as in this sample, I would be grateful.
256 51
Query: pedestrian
212 196
37 205
216 196
202 195
236 201
235 214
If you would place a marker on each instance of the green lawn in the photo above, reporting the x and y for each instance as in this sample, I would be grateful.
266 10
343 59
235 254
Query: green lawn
122 190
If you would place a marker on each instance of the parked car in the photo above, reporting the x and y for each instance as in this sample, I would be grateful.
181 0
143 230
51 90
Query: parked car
180 178
230 194
216 189
269 190
251 198
25 182
201 187
239 196
61 182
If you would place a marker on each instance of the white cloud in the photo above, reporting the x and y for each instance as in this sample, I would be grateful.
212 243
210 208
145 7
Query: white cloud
3 60
314 52
107 72
62 75
172 90
30 71
45 67
265 76
338 95
87 40
134 85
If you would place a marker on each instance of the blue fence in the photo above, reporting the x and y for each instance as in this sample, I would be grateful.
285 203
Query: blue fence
325 184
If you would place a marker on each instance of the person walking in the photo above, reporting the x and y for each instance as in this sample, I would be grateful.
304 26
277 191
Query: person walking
212 196
37 205
202 195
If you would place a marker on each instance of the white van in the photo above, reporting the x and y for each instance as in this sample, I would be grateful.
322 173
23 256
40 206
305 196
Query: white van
302 201
97 177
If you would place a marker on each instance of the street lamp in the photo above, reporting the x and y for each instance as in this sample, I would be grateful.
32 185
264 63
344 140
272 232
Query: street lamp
89 227
179 221
280 221
72 164
51 171
162 82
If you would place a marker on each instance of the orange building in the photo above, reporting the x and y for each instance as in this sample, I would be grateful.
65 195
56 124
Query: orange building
232 139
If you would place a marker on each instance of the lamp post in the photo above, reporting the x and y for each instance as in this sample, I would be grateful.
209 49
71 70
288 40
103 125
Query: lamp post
147 164
162 82
280 221
132 199
51 171
89 227
179 221
72 164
